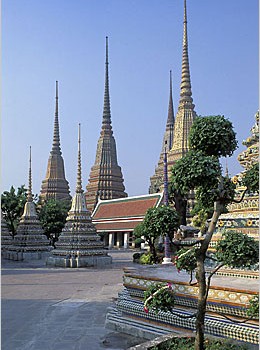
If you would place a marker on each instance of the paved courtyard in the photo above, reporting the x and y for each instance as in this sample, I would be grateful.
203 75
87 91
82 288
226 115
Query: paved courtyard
61 309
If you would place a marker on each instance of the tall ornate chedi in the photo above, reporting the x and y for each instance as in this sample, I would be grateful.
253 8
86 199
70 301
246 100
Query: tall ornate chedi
105 179
55 186
157 179
30 242
186 114
79 244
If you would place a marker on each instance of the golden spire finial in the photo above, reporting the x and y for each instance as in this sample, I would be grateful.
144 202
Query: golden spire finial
79 181
29 193
56 133
185 73
106 122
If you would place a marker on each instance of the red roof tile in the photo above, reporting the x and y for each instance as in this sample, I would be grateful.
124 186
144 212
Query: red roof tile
126 207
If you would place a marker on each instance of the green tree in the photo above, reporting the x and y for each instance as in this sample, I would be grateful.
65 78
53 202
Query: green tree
157 222
200 170
12 205
179 200
251 178
53 216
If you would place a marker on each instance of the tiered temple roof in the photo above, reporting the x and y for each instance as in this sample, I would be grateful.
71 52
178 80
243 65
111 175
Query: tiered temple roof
55 186
30 241
79 244
157 178
105 179
124 214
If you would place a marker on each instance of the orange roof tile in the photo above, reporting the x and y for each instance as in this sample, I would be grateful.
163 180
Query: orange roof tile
126 207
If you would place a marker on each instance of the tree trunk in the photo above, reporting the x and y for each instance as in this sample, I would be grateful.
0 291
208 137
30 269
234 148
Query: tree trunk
201 278
202 302
153 251
181 207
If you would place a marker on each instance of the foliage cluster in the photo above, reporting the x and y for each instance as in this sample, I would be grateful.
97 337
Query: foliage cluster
12 205
237 250
159 298
53 216
188 343
161 220
146 259
251 178
253 310
186 259
157 222
195 169
213 135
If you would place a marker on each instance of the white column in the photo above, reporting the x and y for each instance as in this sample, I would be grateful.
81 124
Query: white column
143 244
118 239
126 238
111 240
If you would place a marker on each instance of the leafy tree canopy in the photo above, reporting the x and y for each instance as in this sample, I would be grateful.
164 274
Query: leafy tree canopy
53 216
237 250
251 178
160 221
12 205
157 222
195 170
213 135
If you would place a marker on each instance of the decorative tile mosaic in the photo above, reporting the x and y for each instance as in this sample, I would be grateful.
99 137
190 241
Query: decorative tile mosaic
192 303
213 325
226 296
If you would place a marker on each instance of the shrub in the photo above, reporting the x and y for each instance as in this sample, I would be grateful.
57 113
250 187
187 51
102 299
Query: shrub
159 297
146 259
237 250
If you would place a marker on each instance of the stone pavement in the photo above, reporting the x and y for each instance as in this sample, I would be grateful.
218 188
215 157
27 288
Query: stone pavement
61 309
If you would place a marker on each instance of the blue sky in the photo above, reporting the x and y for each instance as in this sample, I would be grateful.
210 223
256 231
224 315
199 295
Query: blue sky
48 40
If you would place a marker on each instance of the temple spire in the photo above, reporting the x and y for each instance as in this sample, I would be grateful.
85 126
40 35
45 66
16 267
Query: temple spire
226 172
185 114
105 179
79 180
56 133
157 179
170 120
185 94
106 122
29 193
55 186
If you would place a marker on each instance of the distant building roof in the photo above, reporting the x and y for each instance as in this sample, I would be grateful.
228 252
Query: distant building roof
123 214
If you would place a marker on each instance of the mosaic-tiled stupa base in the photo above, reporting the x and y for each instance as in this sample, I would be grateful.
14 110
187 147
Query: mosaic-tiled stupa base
227 296
85 261
6 239
82 248
30 243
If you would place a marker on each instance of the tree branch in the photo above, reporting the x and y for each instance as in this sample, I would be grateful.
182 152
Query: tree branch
190 281
209 277
183 316
235 321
